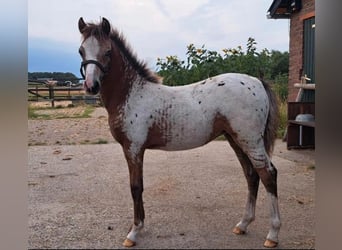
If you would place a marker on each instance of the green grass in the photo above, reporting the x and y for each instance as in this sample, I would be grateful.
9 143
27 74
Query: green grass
282 119
311 167
34 115
100 141
87 112
85 142
37 144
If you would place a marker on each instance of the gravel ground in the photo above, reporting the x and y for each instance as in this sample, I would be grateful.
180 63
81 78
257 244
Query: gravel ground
79 194
70 131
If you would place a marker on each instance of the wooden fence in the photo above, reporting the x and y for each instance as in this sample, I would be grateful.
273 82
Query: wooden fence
54 93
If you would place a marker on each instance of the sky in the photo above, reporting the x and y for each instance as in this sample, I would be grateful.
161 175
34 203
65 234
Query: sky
153 28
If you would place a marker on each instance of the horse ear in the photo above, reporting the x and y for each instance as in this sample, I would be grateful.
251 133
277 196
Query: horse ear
81 24
105 26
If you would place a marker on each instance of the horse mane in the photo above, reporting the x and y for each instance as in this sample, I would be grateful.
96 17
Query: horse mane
119 40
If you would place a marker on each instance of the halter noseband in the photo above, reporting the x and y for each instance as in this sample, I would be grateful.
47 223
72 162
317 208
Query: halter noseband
85 63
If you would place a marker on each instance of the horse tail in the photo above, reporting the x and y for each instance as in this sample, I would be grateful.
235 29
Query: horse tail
270 133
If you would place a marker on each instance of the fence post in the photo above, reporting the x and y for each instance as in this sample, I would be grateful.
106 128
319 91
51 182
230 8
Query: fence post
37 93
51 96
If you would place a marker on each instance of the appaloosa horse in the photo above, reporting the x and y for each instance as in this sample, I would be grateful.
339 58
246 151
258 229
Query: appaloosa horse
144 114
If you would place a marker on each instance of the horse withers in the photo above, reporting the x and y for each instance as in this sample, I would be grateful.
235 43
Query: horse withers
145 114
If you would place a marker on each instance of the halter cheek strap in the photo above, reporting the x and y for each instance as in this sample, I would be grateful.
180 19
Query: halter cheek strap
85 63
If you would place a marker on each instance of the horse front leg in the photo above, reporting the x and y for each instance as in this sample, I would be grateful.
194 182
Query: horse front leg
135 166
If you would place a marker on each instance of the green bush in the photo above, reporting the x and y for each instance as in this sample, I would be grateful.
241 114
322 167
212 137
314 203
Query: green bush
202 63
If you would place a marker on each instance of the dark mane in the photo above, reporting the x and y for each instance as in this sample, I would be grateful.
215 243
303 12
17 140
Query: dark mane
118 39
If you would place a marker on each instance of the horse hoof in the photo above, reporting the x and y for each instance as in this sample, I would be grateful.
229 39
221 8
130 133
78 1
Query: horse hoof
128 243
237 230
270 244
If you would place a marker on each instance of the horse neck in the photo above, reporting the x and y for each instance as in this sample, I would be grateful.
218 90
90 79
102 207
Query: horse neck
117 83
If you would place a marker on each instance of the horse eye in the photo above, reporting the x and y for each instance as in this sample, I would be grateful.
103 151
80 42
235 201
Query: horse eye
108 53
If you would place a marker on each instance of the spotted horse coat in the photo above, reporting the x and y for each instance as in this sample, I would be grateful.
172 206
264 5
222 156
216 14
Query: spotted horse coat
144 114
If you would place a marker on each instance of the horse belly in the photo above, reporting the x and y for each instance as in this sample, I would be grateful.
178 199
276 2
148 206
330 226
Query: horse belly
183 144
185 134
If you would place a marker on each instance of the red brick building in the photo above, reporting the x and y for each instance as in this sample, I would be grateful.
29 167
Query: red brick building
302 43
301 101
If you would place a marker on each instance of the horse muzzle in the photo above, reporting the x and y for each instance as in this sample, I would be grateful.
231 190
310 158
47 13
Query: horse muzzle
92 90
92 86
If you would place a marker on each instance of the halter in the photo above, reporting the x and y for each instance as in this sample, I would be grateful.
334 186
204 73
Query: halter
85 63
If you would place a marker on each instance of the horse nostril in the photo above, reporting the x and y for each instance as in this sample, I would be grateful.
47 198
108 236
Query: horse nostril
96 87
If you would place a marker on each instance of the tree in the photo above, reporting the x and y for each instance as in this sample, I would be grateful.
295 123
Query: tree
202 63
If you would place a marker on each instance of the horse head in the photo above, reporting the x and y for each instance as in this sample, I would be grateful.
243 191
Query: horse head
95 50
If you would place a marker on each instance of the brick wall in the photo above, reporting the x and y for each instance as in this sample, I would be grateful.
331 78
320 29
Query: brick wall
296 45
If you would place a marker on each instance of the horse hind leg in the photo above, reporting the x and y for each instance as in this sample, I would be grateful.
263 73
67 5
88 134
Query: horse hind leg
268 176
256 165
253 185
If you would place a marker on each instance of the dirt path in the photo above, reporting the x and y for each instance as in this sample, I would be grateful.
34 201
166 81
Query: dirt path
79 194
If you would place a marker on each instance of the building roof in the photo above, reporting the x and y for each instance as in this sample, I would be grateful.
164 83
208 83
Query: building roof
283 8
